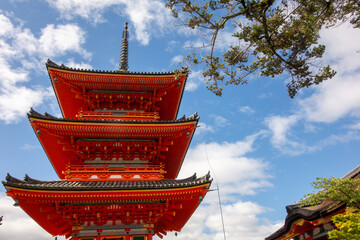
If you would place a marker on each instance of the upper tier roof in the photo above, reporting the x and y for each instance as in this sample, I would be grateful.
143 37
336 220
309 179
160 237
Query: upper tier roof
94 90
52 64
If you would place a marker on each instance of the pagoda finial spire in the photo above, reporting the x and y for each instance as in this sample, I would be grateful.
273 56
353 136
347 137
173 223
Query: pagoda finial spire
123 65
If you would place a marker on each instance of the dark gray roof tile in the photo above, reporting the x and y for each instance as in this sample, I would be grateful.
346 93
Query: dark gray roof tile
34 114
50 63
30 183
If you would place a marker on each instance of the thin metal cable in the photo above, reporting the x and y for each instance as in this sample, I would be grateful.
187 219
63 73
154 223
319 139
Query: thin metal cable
218 190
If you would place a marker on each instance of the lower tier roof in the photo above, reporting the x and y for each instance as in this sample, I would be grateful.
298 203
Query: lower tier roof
65 185
106 208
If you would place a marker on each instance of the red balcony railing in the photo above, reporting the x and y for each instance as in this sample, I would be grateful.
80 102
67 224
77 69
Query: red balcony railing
108 172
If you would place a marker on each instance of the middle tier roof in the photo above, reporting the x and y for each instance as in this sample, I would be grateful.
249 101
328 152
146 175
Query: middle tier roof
73 142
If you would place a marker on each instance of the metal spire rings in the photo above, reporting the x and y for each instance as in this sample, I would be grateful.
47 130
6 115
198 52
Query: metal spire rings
123 65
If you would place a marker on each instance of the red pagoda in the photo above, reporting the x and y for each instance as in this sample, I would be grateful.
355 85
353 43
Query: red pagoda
117 152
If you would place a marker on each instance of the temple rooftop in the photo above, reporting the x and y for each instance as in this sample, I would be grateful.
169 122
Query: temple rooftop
46 116
297 215
52 64
59 185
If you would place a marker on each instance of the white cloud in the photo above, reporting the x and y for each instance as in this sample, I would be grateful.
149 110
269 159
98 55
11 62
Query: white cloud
246 109
265 95
338 97
196 44
241 221
355 126
20 53
224 39
195 79
171 45
29 147
71 63
281 137
342 47
177 59
333 100
6 26
280 127
53 41
144 14
91 10
220 121
340 138
62 39
204 128
147 16
15 101
236 175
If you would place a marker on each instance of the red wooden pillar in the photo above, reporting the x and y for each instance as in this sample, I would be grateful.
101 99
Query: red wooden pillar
149 237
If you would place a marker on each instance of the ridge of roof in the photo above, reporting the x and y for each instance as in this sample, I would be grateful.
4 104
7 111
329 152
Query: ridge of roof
305 214
34 114
58 185
49 63
353 173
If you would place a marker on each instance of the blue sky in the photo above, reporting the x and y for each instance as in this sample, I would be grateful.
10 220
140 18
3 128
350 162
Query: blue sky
265 148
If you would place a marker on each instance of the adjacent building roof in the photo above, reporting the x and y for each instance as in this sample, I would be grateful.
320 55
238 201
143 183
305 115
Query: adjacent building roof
311 213
295 213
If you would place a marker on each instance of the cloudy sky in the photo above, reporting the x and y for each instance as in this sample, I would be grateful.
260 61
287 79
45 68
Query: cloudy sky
262 148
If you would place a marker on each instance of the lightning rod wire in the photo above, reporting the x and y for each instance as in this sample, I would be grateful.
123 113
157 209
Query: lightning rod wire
218 191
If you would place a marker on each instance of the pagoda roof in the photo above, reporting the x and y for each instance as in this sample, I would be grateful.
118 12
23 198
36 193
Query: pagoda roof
62 138
65 185
78 89
52 64
46 116
78 209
